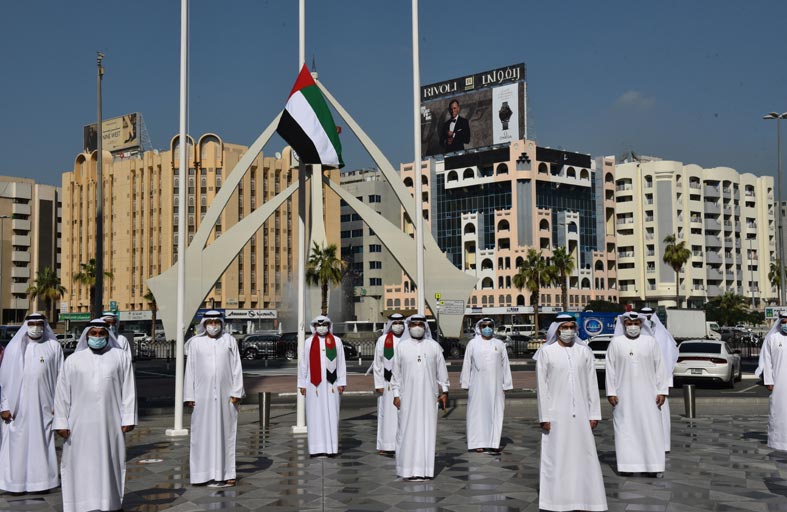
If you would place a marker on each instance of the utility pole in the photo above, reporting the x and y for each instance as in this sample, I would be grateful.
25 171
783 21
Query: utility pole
98 295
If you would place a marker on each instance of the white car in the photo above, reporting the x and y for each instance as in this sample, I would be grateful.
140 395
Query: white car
708 360
598 344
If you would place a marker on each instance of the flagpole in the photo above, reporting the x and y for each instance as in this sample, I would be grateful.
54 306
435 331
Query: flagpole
419 216
300 417
177 429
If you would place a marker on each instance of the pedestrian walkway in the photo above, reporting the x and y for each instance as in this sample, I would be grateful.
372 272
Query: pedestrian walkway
717 463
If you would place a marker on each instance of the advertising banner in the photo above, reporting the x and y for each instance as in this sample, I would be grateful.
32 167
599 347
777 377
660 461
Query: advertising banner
119 133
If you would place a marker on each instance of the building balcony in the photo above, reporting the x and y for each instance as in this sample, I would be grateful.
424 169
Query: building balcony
712 225
713 291
713 275
18 303
712 241
20 272
19 288
20 225
23 240
712 257
711 191
20 256
712 208
20 209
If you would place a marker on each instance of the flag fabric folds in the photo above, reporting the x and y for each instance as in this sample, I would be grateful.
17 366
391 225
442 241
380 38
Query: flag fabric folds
307 125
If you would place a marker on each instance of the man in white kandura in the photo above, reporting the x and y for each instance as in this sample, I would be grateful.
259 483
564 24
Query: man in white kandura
213 387
568 410
28 378
636 388
384 353
773 368
322 377
95 405
486 374
419 373
114 325
669 352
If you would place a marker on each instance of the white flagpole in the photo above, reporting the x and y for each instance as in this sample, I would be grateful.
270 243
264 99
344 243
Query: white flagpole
419 217
178 429
300 417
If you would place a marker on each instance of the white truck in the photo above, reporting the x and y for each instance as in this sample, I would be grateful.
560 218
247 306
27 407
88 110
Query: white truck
686 324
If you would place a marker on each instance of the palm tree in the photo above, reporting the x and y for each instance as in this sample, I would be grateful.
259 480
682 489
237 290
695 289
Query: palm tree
563 264
532 274
775 277
728 308
47 286
323 269
676 254
151 299
87 277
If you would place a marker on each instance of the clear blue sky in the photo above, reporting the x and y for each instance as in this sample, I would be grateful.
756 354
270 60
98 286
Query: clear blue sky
682 80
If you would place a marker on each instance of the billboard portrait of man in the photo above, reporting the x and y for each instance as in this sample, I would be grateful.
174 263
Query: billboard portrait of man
455 132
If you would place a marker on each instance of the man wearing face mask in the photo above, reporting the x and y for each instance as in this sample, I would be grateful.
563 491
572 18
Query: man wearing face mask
419 383
773 368
28 377
569 410
322 377
384 353
669 352
95 405
636 385
213 388
486 374
114 325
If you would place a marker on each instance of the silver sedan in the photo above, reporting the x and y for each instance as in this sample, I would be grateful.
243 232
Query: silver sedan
707 360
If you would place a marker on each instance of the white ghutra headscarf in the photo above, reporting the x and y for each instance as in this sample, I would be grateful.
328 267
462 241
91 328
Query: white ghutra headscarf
553 333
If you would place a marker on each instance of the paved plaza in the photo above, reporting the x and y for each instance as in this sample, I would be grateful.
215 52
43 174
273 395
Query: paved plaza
717 462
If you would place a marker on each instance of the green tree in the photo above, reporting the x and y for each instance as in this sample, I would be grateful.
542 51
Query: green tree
775 277
728 309
151 300
676 254
532 274
605 306
563 265
47 286
324 268
87 277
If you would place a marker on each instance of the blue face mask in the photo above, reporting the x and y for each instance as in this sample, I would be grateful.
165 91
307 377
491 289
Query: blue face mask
487 332
97 342
783 328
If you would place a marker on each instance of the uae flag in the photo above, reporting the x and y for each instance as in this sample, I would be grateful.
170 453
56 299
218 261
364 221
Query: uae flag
307 125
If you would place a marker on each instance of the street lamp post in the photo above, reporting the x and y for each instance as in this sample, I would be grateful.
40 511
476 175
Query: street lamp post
2 237
780 241
751 272
98 296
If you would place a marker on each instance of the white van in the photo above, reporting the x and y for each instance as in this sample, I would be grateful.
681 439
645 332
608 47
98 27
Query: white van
525 329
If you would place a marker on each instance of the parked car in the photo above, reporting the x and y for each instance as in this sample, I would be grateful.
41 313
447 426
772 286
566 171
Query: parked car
288 347
599 344
520 345
707 360
454 347
7 332
260 346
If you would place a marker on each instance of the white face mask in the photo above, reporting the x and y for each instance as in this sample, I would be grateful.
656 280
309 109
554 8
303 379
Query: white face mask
417 332
322 330
213 330
632 331
35 331
397 329
568 335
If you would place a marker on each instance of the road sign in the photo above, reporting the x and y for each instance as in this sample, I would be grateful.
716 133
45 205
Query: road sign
452 307
772 312
76 317
113 305
436 296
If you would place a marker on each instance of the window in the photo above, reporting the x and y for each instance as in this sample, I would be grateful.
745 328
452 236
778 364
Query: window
346 217
357 232
345 234
375 265
375 281
375 198
375 248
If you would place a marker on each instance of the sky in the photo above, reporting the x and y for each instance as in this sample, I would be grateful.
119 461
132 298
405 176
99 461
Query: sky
681 80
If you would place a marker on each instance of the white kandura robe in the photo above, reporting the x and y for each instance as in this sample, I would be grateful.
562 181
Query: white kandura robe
323 401
669 367
125 345
635 374
419 373
568 399
387 415
213 375
95 397
28 462
486 373
774 373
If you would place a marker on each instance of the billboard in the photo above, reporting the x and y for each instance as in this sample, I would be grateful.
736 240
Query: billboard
474 111
119 133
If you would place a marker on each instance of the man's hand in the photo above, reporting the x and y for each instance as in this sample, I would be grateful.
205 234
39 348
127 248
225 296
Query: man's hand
443 400
303 391
593 424
660 400
64 433
379 390
397 402
546 426
127 428
613 400
770 387
6 416
189 404
341 389
234 400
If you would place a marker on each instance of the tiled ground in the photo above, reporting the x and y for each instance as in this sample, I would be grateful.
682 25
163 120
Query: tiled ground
718 463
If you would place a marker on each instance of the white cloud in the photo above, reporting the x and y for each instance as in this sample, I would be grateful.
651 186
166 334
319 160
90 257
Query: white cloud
634 100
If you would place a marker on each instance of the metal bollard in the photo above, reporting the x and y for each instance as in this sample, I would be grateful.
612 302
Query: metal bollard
264 401
688 401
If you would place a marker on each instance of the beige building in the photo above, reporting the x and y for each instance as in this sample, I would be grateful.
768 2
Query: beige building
141 222
486 209
726 219
30 236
